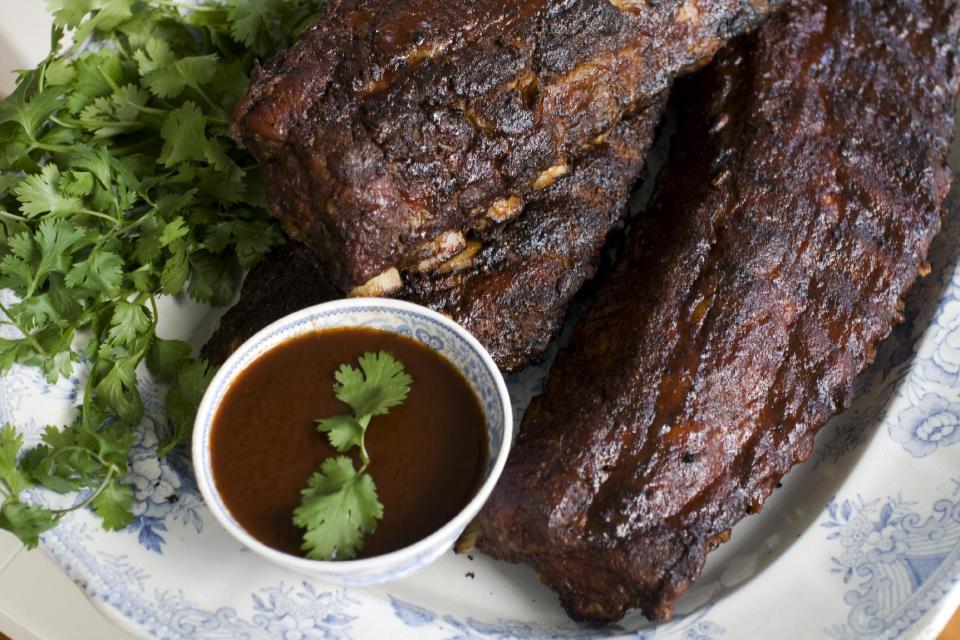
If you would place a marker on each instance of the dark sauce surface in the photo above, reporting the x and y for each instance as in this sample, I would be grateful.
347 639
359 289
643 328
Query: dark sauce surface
427 454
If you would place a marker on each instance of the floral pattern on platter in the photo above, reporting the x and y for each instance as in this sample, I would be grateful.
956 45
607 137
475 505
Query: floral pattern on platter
162 489
931 418
282 611
899 562
944 349
922 428
302 611
691 627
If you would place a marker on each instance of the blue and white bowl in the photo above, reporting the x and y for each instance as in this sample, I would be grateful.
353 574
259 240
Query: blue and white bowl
404 318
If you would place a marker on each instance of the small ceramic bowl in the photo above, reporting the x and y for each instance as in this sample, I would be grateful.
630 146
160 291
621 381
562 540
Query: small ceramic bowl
412 321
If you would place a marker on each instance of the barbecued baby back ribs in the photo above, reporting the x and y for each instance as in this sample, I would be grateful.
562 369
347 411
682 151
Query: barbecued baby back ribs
805 183
512 283
390 123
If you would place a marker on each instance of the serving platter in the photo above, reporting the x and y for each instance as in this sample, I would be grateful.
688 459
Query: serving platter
863 541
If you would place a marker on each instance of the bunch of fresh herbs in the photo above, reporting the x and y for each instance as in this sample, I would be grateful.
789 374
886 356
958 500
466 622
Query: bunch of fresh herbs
119 184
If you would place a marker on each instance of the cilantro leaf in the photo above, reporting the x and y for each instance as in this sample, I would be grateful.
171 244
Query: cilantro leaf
69 13
38 310
10 444
40 193
100 272
379 384
77 183
59 366
115 504
166 358
27 108
65 304
253 22
13 352
184 398
55 239
118 390
173 230
168 79
344 432
153 56
97 73
213 280
184 136
26 521
128 322
339 507
60 72
175 272
41 465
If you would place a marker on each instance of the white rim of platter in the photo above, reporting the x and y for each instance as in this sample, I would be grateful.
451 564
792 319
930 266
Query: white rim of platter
862 541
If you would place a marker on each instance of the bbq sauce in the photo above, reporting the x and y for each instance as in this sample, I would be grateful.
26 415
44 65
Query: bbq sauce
427 454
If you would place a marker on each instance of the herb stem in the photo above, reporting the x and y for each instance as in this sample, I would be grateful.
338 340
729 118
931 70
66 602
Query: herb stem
122 151
223 122
52 148
93 123
29 337
189 6
67 123
12 216
97 214
90 452
364 456
213 105
111 472
85 416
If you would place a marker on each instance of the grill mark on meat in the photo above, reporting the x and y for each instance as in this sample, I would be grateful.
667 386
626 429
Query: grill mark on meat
510 287
389 123
804 185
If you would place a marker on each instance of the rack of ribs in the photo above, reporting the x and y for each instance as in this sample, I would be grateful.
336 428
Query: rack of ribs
392 125
511 283
804 185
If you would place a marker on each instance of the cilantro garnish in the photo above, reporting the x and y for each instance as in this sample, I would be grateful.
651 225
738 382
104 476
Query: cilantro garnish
119 184
340 503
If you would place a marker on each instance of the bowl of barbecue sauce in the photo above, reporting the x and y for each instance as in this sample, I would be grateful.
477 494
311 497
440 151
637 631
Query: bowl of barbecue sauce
353 440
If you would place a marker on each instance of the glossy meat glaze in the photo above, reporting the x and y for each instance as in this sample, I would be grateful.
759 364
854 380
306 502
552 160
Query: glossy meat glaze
391 123
805 183
512 284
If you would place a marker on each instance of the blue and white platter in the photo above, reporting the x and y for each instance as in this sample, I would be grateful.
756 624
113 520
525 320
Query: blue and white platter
862 541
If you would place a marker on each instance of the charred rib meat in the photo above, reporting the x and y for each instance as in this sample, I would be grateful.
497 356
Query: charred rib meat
391 123
509 284
804 186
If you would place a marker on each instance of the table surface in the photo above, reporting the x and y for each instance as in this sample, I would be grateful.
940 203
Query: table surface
32 587
952 631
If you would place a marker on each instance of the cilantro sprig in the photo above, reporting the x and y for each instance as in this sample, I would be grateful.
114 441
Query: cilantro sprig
340 504
118 185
